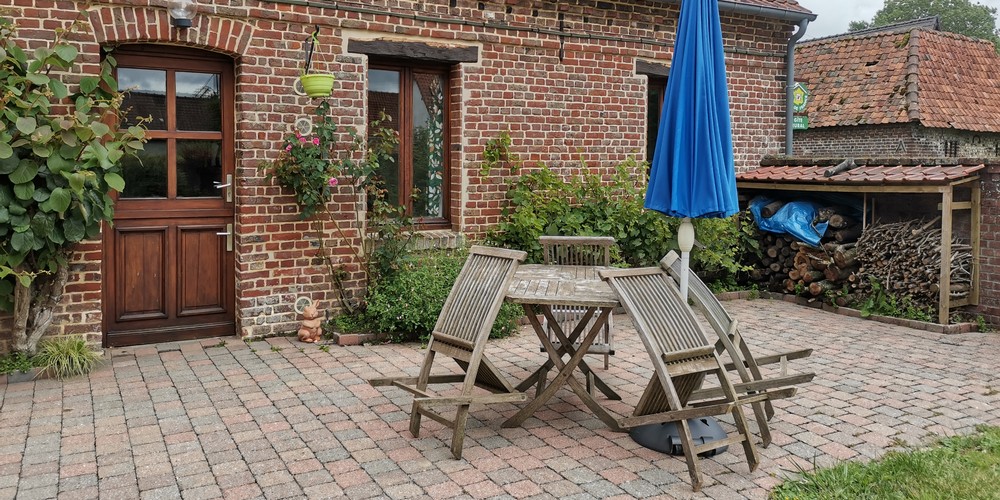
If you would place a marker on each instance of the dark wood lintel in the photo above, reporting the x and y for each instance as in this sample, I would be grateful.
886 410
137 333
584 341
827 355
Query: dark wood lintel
414 50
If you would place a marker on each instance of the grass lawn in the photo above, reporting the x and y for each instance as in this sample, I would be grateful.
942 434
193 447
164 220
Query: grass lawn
966 467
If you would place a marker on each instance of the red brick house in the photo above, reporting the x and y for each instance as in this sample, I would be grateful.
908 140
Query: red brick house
565 80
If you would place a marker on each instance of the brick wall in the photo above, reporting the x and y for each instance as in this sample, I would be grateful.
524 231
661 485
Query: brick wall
903 140
989 271
570 100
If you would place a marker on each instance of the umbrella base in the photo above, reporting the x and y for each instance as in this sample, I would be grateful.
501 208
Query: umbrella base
666 438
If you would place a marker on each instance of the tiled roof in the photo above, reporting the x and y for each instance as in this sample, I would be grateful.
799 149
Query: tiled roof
935 78
791 5
930 23
863 174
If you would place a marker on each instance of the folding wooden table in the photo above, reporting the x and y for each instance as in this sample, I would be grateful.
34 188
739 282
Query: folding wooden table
545 286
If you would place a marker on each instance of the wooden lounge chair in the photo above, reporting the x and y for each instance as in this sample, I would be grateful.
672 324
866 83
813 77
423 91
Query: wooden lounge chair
579 251
461 332
731 341
682 357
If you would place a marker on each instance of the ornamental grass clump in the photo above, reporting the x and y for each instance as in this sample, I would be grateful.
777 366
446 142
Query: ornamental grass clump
67 356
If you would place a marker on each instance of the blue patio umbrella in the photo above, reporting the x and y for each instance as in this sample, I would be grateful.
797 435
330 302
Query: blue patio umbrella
692 171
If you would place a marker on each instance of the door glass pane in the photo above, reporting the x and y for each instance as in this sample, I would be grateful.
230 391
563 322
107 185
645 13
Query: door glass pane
199 166
146 174
428 144
198 106
146 97
383 97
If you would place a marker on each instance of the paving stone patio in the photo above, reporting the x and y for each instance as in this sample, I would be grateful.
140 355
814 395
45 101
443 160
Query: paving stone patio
279 419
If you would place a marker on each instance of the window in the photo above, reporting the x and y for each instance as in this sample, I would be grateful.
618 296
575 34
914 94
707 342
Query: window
184 153
416 101
654 108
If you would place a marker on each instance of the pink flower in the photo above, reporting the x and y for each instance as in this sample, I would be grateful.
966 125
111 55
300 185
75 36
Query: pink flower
288 147
316 141
333 181
302 139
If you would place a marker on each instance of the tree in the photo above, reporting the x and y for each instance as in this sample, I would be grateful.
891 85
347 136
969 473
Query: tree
59 161
957 16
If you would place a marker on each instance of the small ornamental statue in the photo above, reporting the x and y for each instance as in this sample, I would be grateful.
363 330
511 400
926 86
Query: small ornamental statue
312 321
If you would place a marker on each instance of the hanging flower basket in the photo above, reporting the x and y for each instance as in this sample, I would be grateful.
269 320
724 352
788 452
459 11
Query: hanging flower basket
317 84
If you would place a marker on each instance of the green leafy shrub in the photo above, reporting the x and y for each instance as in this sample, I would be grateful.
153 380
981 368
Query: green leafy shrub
17 362
406 304
67 356
59 163
543 203
880 302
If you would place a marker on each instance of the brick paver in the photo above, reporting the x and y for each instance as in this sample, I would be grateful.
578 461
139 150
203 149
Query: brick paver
279 419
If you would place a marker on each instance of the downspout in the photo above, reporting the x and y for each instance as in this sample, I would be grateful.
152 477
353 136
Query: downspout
802 20
790 82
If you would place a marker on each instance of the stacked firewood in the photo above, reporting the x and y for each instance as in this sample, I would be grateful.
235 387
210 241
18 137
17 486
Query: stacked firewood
791 266
905 259
774 262
820 270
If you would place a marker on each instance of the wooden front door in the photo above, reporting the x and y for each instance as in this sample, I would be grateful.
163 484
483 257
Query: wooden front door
169 267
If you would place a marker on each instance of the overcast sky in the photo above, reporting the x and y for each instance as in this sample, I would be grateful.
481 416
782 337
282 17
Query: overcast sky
833 16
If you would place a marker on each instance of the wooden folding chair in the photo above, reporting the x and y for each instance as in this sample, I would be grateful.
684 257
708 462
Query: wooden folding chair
461 332
579 251
682 357
731 341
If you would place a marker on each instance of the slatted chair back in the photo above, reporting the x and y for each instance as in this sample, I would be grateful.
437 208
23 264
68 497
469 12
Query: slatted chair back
656 308
461 332
464 325
579 251
700 294
682 357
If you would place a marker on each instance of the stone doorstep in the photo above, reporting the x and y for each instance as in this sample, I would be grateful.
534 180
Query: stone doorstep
854 313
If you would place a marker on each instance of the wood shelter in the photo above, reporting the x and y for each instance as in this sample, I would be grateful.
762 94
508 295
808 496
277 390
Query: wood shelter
956 182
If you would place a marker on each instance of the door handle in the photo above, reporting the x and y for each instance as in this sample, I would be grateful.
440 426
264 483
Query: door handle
228 233
228 186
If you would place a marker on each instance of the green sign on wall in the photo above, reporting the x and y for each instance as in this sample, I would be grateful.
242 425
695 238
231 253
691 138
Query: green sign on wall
800 122
800 97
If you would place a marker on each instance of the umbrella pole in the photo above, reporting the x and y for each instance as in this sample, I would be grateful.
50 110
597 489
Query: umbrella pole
685 242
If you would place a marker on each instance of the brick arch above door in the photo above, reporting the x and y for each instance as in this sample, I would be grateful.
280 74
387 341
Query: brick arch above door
126 24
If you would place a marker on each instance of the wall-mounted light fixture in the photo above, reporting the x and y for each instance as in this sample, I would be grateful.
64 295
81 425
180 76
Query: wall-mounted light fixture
182 12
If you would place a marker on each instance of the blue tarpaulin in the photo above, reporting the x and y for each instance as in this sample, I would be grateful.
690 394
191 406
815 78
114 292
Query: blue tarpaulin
794 218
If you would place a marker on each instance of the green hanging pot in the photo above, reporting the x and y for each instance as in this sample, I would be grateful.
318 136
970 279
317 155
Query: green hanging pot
317 84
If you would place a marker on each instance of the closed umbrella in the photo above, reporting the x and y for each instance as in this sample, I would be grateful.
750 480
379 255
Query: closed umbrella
692 172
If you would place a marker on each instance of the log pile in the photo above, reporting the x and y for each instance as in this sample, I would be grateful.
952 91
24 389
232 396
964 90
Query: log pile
905 259
775 260
790 266
825 269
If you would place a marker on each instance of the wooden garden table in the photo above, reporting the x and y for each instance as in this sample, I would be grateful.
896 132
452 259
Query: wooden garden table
544 286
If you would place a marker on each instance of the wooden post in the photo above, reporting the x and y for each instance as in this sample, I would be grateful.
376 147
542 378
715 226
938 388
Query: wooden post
864 212
944 297
974 221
